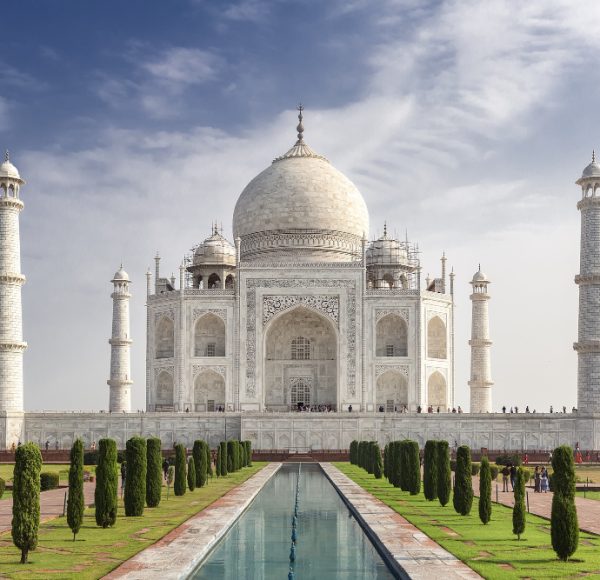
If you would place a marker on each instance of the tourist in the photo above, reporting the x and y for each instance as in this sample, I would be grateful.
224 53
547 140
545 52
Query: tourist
537 479
526 459
564 409
123 474
165 468
505 473
13 447
516 409
349 408
544 480
93 447
527 409
504 408
438 409
56 445
454 409
513 476
551 409
419 409
511 410
47 444
459 410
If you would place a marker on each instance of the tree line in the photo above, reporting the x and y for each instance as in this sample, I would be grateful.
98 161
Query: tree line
142 481
400 464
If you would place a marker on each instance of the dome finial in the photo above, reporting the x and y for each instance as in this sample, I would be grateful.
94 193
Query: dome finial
6 156
479 270
385 229
300 127
593 155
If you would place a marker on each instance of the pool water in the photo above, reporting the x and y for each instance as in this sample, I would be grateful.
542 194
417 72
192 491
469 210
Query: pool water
330 542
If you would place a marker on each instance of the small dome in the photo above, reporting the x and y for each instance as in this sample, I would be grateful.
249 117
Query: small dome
215 250
593 169
121 275
386 251
479 277
7 169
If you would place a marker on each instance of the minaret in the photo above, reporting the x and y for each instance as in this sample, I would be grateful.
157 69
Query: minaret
481 372
11 280
120 360
588 280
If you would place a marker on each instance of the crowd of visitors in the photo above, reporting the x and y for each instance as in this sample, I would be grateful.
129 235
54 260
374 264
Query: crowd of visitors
515 409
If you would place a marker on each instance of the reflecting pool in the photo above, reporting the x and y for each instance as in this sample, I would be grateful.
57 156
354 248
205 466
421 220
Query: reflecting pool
330 543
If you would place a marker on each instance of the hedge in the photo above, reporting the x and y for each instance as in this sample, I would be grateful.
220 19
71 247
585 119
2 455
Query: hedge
353 449
49 480
135 479
107 483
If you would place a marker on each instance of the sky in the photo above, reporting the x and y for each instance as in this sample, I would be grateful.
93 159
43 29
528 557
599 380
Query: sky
136 124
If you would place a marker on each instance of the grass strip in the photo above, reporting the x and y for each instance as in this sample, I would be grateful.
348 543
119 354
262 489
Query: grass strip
96 551
491 550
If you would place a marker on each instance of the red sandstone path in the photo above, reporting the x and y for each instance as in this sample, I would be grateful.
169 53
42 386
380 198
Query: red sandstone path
51 504
540 504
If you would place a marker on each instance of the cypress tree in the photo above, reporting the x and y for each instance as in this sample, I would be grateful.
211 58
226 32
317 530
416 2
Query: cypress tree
404 465
370 457
154 475
430 467
218 461
224 454
353 452
170 478
396 464
201 468
26 498
191 474
180 475
249 449
107 483
485 491
377 464
413 467
386 461
197 450
444 473
76 503
518 516
209 469
463 482
242 448
230 463
240 455
564 526
135 483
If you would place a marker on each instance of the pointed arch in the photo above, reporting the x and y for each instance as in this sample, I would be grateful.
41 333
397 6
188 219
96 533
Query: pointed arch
437 393
436 339
214 281
209 336
209 391
391 391
164 392
165 338
391 336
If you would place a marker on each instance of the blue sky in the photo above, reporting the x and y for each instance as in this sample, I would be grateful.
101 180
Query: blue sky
137 123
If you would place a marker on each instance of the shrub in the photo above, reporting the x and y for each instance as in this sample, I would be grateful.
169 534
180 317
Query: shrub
475 467
495 470
26 498
377 464
218 461
49 480
508 459
353 446
135 482
485 491
2 487
107 483
90 458
154 473
463 484
249 450
209 470
564 526
230 457
121 456
197 450
180 471
430 471
76 503
444 480
519 507
201 468
191 474
396 464
453 465
223 447
170 478
526 475
371 457
413 467
386 461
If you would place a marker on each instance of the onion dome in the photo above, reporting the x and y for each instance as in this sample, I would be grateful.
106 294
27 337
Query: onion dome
386 251
302 208
120 275
593 169
479 277
215 250
8 170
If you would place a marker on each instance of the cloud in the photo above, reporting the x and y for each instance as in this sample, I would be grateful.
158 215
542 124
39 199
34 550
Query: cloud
248 10
179 67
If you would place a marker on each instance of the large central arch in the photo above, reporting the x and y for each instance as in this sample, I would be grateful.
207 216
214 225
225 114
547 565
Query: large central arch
301 348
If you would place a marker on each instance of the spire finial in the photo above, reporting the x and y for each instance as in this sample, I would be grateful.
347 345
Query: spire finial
385 229
593 156
300 127
6 156
479 267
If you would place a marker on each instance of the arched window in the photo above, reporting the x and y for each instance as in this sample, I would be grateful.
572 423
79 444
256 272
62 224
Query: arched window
300 393
436 391
214 281
436 338
164 392
229 281
165 338
391 336
209 336
300 348
388 280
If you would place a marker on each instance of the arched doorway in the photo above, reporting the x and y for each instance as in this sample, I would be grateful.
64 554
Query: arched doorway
391 391
209 391
437 395
164 392
300 360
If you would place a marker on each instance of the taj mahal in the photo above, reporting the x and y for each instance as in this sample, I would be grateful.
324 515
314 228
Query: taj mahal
301 333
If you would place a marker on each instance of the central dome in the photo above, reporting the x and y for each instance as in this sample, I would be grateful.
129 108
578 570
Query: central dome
302 209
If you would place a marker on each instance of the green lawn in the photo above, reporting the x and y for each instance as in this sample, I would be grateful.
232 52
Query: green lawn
491 550
96 551
6 470
589 494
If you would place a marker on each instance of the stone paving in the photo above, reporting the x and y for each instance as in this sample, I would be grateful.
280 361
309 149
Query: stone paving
416 553
540 504
51 504
178 553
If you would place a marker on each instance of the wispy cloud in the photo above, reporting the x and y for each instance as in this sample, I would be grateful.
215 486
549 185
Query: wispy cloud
179 67
248 10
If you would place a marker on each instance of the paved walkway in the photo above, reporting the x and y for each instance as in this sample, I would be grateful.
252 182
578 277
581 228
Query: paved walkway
178 553
51 504
418 555
540 504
